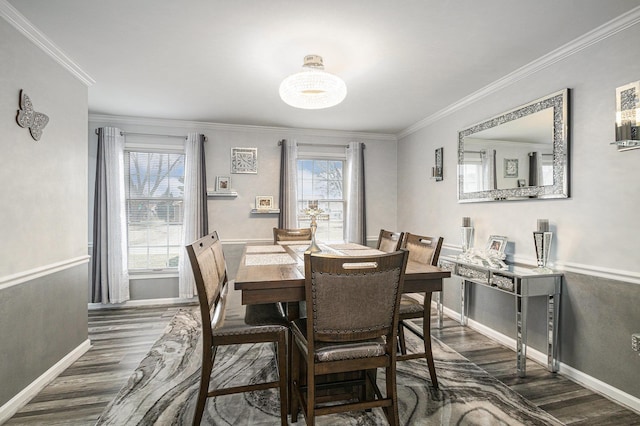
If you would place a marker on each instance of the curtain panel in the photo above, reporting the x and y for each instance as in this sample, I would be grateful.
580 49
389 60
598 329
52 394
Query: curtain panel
288 190
109 271
356 217
489 176
195 224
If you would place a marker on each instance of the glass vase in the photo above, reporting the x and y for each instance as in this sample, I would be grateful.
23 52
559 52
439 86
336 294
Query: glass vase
467 238
542 241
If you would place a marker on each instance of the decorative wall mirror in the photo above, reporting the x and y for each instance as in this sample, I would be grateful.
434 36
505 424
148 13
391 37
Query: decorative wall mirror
520 154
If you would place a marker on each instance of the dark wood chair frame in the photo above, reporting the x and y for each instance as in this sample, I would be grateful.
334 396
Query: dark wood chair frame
419 311
209 270
283 234
307 335
389 241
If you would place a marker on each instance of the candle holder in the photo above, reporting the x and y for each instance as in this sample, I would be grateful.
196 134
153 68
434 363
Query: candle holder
467 238
467 234
313 248
542 241
313 212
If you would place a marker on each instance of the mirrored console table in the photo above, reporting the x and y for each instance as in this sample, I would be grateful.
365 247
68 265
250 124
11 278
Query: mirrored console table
522 283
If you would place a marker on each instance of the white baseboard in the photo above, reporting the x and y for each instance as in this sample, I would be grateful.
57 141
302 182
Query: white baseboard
578 376
25 395
143 302
601 387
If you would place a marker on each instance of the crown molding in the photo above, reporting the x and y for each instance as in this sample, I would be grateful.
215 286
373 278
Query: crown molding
594 36
203 125
22 24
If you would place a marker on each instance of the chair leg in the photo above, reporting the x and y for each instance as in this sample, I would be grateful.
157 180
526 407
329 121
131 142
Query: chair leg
403 346
392 393
426 338
282 377
295 381
292 310
311 395
208 357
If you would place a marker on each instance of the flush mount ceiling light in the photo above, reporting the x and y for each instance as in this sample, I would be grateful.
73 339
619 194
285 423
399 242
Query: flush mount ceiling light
313 88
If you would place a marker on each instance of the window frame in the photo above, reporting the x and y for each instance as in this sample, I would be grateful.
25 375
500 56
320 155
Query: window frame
158 148
330 155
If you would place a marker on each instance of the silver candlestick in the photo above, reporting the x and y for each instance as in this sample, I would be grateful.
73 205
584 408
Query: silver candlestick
313 248
313 211
542 241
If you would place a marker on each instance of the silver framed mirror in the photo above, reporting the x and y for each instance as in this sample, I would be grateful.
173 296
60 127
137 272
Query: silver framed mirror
518 155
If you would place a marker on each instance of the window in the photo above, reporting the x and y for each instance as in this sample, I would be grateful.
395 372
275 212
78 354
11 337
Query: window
472 172
154 184
322 180
547 169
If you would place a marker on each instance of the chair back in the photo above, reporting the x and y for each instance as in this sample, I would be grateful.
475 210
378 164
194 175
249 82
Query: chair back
282 234
353 298
209 270
423 249
389 241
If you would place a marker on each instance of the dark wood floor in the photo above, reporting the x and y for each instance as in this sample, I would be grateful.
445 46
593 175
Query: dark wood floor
566 400
122 337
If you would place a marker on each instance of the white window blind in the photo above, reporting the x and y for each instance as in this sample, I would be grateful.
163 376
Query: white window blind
322 179
154 184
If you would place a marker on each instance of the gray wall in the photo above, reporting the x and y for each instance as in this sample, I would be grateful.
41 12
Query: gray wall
596 230
43 285
231 217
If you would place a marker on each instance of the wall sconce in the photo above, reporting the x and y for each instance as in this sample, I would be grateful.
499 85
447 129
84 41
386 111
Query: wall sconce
436 171
628 116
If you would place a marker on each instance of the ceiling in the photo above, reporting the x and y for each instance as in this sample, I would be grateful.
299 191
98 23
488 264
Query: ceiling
222 61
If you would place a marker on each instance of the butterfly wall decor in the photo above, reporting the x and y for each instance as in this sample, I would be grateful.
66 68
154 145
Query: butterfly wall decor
28 117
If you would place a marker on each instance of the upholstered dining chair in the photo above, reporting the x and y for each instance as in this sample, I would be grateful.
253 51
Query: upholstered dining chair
425 250
389 241
225 321
283 234
350 327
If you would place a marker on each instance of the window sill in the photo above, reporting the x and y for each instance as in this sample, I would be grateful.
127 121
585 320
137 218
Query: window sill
151 275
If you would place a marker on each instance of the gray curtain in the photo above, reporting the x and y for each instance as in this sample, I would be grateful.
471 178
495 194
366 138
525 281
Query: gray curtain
288 192
204 221
195 224
109 273
534 168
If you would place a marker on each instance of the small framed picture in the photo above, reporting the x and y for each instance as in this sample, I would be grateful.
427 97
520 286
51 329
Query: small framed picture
522 183
511 167
223 183
264 202
497 243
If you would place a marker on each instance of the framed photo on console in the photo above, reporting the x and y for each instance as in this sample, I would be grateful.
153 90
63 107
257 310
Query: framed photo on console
497 243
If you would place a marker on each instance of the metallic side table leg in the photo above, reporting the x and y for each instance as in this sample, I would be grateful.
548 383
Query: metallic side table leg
521 335
463 302
553 301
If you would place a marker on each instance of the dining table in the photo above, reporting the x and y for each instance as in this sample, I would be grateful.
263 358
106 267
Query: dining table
275 273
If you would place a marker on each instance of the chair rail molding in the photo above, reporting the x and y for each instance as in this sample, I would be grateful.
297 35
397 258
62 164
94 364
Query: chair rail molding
31 274
632 277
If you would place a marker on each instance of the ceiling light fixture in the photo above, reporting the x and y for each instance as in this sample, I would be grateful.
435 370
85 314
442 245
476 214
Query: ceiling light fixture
313 88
